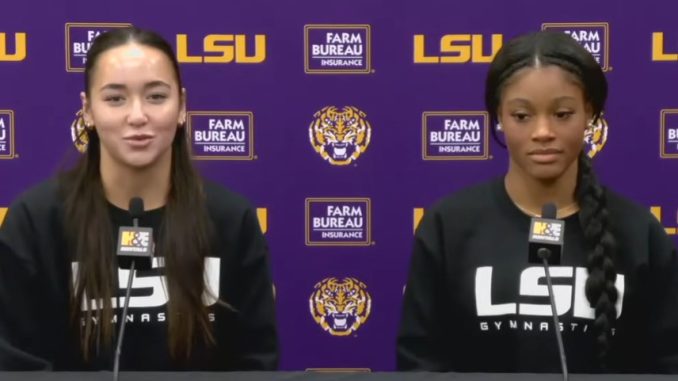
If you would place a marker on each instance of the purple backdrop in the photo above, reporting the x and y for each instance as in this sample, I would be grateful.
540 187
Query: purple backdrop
259 73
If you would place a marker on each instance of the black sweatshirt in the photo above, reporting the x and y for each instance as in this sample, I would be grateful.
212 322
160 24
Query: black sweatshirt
473 303
36 268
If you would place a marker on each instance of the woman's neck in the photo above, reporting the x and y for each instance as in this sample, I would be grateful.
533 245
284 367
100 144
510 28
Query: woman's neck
151 184
530 194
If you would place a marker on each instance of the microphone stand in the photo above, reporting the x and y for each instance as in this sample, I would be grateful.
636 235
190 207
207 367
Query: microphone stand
544 254
121 333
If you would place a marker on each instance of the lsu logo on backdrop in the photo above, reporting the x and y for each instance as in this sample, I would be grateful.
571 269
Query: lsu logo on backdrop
12 51
668 125
262 217
79 37
417 215
3 213
223 48
659 50
337 49
340 307
455 135
7 134
340 137
456 48
595 137
338 222
221 135
657 212
594 36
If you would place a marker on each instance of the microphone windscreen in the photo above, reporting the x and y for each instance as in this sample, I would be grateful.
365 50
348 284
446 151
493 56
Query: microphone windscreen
136 207
549 211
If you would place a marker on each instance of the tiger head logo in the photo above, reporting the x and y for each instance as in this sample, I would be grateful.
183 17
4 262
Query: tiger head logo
340 307
595 137
340 137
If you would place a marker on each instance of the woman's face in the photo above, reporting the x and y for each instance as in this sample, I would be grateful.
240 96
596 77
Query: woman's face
135 105
544 114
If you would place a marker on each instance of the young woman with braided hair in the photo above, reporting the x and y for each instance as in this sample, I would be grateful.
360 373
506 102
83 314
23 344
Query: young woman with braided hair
473 303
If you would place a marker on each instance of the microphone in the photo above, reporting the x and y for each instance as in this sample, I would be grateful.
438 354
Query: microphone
133 243
546 236
545 246
136 209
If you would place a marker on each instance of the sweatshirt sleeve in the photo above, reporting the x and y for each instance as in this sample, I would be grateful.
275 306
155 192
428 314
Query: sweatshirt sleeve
21 347
663 314
257 340
421 341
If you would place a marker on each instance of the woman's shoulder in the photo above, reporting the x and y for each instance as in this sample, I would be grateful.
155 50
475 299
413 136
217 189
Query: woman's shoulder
39 196
624 209
471 198
39 208
221 200
636 225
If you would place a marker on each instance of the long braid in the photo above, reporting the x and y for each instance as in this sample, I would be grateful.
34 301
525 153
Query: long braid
600 285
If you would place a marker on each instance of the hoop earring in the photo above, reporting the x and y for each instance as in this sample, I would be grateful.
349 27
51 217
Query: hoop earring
79 132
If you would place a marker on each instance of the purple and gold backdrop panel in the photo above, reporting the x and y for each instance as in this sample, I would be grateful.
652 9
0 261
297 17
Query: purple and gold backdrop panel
338 121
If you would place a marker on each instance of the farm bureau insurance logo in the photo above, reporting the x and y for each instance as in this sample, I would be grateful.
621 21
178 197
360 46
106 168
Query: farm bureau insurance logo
340 307
338 221
340 137
337 49
593 36
455 135
221 135
668 125
7 134
79 37
19 47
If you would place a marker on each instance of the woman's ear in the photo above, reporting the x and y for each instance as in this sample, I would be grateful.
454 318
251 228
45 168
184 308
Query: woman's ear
86 110
182 107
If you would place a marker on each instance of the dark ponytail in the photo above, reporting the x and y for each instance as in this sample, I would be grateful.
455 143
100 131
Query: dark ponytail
600 244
